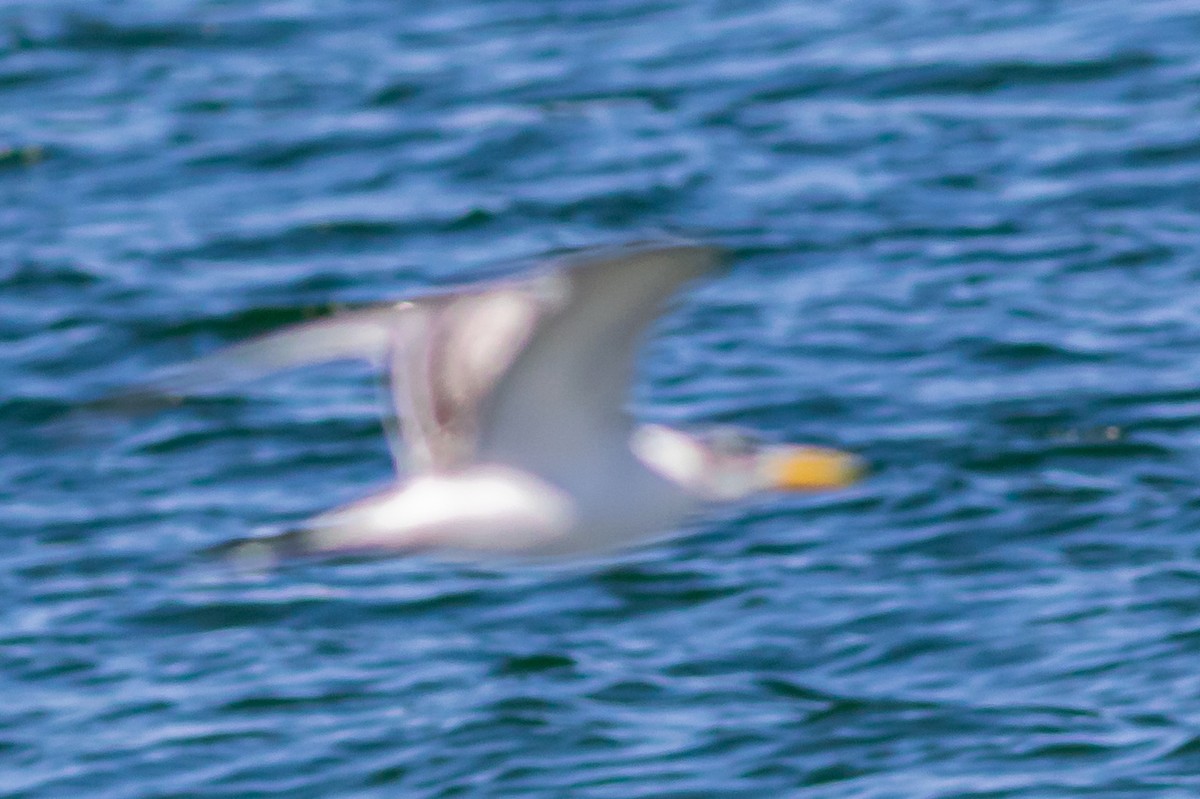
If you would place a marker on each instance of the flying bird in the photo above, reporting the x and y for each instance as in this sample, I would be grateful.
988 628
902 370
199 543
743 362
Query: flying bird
507 422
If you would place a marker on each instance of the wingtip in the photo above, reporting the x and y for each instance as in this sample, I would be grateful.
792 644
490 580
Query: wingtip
659 245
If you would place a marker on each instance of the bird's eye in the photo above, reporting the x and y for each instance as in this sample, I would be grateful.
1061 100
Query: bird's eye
732 441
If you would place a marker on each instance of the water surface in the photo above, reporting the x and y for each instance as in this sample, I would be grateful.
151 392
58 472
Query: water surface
964 239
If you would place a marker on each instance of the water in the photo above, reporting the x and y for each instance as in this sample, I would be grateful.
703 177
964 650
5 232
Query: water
965 245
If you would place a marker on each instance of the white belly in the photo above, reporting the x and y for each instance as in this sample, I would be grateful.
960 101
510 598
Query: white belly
483 509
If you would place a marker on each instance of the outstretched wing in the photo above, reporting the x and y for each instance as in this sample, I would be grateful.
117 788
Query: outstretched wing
365 334
563 398
499 369
439 354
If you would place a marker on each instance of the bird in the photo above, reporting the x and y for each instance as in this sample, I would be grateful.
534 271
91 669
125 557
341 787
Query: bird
507 422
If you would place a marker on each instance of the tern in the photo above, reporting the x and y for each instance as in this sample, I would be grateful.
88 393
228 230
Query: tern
507 422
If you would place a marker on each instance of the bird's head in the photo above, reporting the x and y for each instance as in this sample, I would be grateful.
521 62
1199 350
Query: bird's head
729 463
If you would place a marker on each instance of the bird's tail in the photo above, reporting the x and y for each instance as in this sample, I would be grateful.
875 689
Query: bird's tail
318 540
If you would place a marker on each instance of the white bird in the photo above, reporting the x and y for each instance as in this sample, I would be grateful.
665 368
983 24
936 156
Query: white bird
510 400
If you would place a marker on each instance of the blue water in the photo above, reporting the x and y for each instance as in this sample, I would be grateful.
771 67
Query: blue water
966 244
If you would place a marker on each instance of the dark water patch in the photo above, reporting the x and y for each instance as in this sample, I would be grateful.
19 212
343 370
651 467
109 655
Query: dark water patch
64 668
136 709
22 157
1101 555
275 704
651 588
795 85
1114 450
518 665
989 77
47 276
1063 454
232 613
1150 397
292 150
1018 354
344 236
37 415
1054 525
631 691
1187 752
86 32
98 34
431 603
1179 151
1139 256
798 695
395 93
387 775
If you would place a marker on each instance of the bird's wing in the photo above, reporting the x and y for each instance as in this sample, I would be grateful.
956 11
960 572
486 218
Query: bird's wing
472 366
563 398
363 334
438 353
458 346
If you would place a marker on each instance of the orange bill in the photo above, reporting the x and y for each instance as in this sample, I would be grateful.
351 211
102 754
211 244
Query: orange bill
796 468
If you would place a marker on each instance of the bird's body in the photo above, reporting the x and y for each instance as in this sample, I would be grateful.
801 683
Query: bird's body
476 509
509 431
500 510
